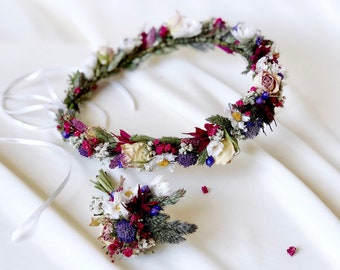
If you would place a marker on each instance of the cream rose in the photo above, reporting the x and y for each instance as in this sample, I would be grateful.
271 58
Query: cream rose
267 81
105 55
242 33
227 153
135 153
180 26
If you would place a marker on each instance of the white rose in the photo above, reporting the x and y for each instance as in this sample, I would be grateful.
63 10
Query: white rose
214 148
160 186
180 26
243 33
128 44
91 61
227 152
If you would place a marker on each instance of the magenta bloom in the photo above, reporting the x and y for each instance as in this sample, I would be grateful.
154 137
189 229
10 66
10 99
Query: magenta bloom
226 49
127 252
219 23
204 189
291 250
163 31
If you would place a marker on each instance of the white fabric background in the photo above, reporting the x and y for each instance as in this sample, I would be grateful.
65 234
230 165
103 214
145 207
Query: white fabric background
282 190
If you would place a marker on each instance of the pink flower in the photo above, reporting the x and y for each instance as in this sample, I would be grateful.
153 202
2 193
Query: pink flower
127 252
226 49
211 129
291 250
77 90
167 147
253 89
239 103
204 189
159 149
219 23
163 31
148 39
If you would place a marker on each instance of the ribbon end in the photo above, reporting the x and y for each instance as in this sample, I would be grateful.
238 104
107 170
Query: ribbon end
17 235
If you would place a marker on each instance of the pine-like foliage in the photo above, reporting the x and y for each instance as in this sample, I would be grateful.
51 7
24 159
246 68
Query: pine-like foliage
171 232
221 121
171 199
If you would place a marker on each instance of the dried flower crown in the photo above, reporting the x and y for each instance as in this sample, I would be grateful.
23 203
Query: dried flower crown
132 219
217 142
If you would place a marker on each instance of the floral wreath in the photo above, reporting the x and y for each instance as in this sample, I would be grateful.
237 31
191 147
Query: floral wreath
217 142
132 220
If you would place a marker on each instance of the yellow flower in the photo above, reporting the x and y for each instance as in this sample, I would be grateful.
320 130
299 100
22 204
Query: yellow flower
95 222
163 163
135 153
237 116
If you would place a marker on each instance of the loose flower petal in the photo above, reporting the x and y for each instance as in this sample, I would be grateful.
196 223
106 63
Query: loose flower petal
204 189
291 250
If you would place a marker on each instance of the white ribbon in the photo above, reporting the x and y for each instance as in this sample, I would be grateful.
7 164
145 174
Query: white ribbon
50 103
26 225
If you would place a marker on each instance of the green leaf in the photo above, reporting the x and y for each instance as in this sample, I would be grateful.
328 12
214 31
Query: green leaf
171 199
169 232
115 62
220 121
170 140
141 138
103 135
103 182
202 157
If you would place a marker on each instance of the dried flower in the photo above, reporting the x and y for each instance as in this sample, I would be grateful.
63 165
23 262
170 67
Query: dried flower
291 250
204 189
180 26
125 231
243 33
105 55
187 160
217 142
144 225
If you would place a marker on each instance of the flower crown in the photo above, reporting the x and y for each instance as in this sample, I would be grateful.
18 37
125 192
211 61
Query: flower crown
132 220
217 142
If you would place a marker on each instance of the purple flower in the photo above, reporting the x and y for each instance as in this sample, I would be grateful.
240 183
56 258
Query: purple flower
265 95
65 134
259 100
210 161
187 160
117 161
83 152
79 125
148 39
145 189
155 210
125 231
259 40
253 128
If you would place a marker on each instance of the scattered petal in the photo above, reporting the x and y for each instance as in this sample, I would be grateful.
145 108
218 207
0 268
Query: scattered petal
291 250
204 189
